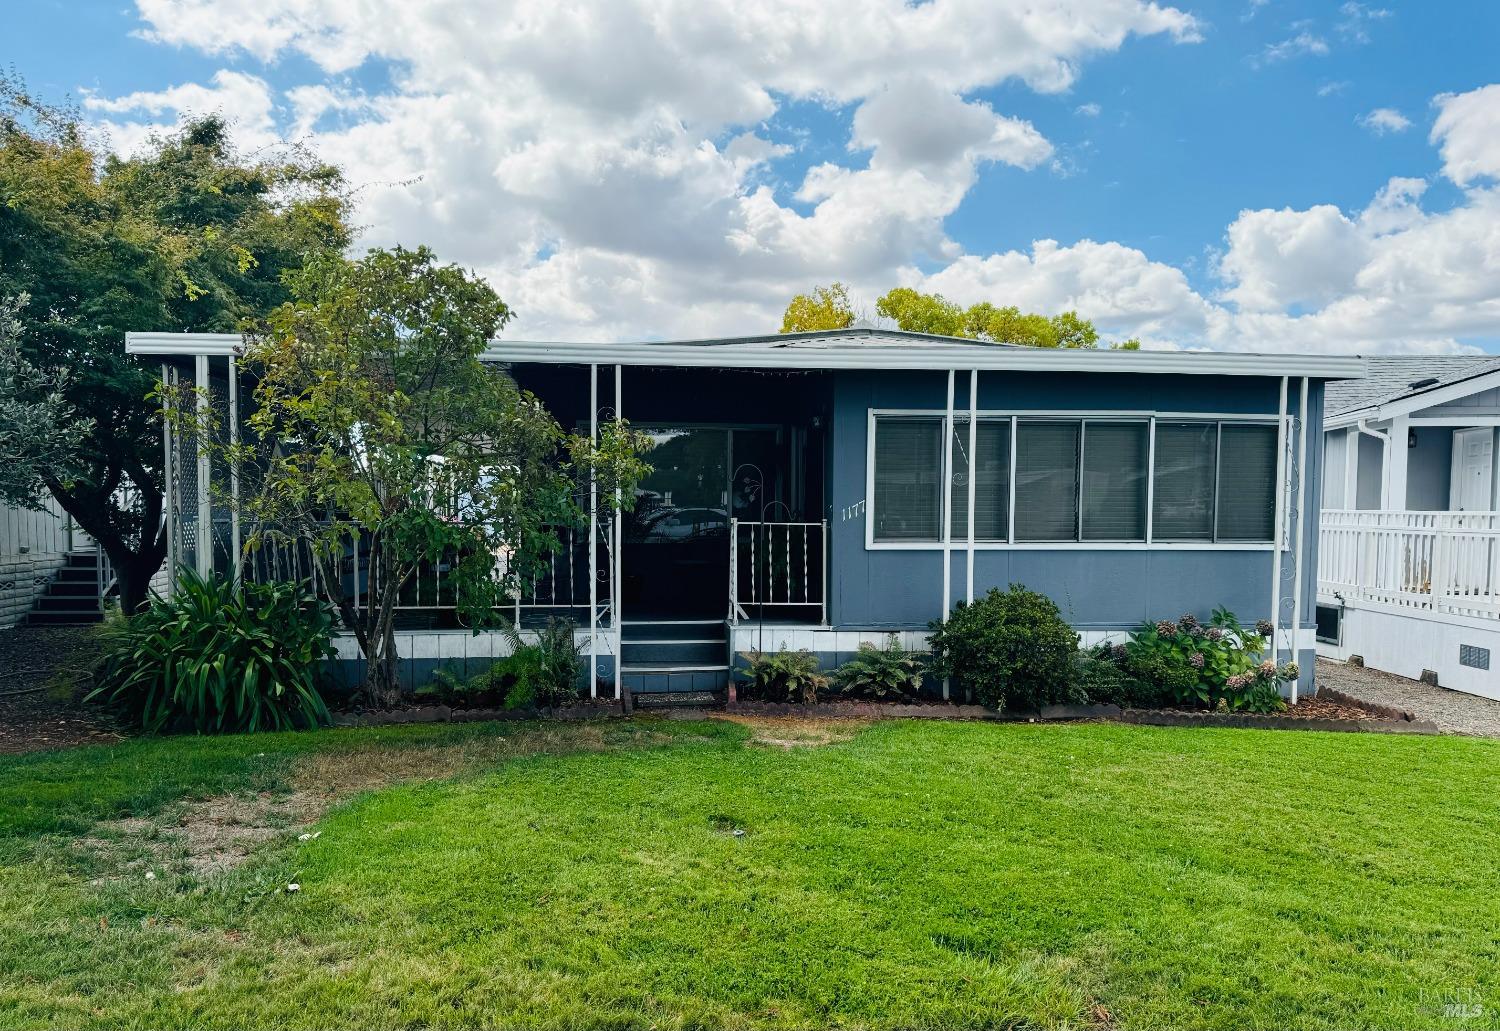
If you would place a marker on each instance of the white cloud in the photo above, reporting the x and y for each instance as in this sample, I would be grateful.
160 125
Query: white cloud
618 169
1357 19
1302 44
1468 130
1088 110
1329 89
1385 120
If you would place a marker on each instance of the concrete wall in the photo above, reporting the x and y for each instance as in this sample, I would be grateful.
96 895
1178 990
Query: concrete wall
1407 643
1098 589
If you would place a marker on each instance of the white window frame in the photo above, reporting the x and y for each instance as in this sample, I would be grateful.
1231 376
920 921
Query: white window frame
1015 416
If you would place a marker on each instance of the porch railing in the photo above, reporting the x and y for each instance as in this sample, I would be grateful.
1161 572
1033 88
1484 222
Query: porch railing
1436 561
777 569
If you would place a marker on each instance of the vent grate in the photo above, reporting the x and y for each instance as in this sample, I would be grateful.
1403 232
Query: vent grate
1473 656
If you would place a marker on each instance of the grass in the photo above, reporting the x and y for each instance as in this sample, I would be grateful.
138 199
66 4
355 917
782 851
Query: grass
912 875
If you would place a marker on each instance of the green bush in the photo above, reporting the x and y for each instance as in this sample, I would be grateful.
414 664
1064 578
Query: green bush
215 658
783 676
1009 650
540 675
1102 678
880 674
1218 666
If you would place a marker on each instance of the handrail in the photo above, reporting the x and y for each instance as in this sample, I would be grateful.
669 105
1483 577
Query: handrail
1445 562
782 566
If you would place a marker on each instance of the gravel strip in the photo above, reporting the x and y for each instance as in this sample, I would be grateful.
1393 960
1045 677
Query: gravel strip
1452 711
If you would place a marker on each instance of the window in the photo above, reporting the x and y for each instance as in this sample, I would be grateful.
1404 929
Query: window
1183 494
1114 480
1061 480
1247 482
1047 480
992 485
908 479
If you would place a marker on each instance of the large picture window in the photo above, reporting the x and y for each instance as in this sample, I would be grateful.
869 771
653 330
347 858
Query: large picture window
1076 480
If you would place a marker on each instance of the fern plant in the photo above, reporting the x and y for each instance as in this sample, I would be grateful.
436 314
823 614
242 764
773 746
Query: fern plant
882 674
217 658
783 676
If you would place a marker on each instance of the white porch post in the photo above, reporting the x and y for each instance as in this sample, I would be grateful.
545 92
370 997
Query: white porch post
205 507
234 469
1395 460
593 538
1281 519
169 488
1351 467
973 475
947 510
1299 543
617 617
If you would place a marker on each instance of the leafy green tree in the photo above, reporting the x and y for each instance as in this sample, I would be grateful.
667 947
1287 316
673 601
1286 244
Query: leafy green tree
827 307
188 235
39 431
381 443
917 312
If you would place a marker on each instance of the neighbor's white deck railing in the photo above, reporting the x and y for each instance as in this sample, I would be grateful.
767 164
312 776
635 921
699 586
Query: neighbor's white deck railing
1438 561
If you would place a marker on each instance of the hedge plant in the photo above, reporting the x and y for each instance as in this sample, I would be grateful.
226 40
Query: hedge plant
216 658
1010 650
889 674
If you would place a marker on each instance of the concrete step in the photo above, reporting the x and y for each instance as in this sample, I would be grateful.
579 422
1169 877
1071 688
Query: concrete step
674 630
65 618
675 678
701 652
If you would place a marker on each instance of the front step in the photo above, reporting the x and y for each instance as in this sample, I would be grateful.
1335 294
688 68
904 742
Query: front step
675 657
73 595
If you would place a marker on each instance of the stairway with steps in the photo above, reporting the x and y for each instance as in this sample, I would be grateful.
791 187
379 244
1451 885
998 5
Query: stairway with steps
73 595
675 657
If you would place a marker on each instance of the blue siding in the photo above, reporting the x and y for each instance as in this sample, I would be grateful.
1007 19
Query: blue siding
1095 588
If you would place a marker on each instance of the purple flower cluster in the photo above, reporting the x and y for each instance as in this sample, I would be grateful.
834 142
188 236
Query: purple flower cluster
1190 624
1167 628
1196 660
1240 681
1119 652
1264 627
1266 668
1215 634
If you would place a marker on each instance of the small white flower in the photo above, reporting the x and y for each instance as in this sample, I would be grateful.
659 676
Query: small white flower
304 837
150 876
294 887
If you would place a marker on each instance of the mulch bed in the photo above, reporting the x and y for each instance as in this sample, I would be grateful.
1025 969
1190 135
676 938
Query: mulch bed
34 714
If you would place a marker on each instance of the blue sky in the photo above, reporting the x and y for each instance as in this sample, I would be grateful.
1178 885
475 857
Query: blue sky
645 169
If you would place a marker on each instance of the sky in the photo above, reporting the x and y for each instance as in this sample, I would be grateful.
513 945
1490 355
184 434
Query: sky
1266 175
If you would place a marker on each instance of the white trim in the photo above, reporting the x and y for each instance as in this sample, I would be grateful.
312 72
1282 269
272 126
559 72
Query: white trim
616 588
1473 421
1281 521
205 551
234 470
946 532
1299 543
973 480
593 537
944 540
871 350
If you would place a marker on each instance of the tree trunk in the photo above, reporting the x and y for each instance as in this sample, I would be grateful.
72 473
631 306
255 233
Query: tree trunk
382 679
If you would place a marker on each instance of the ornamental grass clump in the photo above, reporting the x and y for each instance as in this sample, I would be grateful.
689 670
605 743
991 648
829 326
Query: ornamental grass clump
217 658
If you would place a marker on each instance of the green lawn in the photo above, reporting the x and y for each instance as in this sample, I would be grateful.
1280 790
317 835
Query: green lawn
914 875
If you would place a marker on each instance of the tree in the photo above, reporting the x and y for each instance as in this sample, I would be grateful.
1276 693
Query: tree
39 431
827 307
917 312
380 443
922 313
189 235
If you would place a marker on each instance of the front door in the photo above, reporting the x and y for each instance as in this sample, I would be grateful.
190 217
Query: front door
1473 469
676 552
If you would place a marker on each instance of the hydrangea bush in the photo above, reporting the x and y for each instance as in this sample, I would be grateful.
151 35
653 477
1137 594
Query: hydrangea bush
1221 665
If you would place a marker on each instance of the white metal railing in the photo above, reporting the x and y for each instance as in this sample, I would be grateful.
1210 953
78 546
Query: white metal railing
780 567
1438 561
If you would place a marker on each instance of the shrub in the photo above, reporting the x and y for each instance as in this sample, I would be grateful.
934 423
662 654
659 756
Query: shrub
540 675
783 676
215 658
1218 665
882 674
1100 677
1010 650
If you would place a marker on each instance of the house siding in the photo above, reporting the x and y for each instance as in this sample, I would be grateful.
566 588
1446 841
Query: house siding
1096 589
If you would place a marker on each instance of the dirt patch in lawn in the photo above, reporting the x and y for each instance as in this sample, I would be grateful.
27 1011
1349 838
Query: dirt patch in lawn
42 671
796 731
202 838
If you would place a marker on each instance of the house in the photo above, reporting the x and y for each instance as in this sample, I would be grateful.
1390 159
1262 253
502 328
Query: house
1409 557
49 568
818 490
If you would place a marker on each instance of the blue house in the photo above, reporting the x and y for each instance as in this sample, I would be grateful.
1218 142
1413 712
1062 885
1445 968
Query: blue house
819 490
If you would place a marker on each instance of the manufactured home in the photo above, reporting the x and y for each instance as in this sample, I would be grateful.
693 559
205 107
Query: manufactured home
819 490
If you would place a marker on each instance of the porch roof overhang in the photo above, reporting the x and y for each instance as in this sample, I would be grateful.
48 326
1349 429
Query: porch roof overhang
1422 399
844 349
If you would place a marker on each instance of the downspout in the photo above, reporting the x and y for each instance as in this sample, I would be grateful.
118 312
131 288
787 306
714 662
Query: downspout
593 537
947 510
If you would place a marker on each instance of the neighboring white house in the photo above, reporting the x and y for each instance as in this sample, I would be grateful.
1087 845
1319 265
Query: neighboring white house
34 546
1409 549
